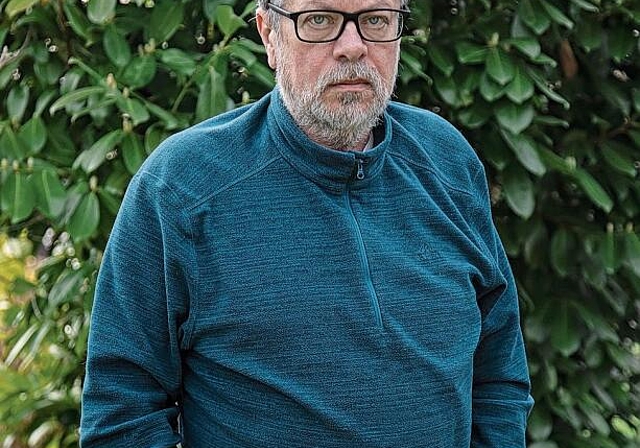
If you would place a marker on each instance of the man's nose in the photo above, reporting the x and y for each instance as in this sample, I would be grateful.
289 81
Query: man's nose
350 45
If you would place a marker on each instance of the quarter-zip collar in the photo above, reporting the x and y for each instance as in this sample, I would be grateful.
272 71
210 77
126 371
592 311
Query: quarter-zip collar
330 168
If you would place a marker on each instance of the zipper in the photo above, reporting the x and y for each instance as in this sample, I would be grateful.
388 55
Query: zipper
364 259
360 169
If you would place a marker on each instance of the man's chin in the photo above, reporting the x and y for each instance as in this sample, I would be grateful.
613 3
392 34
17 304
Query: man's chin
354 98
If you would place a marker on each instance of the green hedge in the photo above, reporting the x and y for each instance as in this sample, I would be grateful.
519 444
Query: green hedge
547 91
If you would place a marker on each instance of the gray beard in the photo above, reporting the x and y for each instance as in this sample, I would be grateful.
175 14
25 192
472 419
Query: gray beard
344 127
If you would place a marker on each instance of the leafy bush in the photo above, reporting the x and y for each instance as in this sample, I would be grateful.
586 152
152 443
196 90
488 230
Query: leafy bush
547 91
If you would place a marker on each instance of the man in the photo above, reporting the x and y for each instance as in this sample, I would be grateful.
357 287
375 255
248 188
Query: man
318 269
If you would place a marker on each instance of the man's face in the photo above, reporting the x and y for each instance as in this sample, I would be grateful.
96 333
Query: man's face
336 91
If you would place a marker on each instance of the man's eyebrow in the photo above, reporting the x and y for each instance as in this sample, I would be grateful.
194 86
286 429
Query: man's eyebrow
319 4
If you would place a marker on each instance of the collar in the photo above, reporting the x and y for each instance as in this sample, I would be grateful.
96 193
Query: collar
327 167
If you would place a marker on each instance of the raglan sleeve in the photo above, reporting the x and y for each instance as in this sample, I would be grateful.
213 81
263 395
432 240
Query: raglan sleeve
501 385
139 324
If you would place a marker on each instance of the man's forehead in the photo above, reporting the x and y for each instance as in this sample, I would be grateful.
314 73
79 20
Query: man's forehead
343 4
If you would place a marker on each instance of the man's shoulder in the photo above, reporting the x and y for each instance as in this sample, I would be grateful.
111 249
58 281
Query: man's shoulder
198 160
425 124
431 140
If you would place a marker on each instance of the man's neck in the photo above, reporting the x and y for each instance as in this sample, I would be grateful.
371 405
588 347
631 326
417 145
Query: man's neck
359 145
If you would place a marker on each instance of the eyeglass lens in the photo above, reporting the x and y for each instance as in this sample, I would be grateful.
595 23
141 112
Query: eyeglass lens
375 25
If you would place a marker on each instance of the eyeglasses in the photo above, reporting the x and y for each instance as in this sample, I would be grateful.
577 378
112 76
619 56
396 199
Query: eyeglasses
320 25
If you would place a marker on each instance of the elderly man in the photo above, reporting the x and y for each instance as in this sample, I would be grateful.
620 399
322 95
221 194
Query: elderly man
318 269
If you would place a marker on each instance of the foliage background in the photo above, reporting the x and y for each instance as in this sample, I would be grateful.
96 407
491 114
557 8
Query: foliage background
547 91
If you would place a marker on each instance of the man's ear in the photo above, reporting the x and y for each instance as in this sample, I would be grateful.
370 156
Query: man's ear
267 36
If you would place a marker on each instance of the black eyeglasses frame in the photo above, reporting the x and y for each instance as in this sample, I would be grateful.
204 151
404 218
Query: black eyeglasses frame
348 17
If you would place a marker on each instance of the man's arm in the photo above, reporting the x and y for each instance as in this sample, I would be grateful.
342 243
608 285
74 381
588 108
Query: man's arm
501 387
133 367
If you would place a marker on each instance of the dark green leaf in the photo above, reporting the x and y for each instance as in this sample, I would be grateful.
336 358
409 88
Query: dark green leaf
565 337
594 415
414 65
152 138
50 192
533 16
594 190
635 95
178 61
140 71
589 34
18 197
521 88
34 134
540 424
170 121
489 89
529 46
209 7
90 159
608 251
469 53
43 101
621 43
134 109
556 15
133 152
475 116
85 219
632 252
213 98
17 102
615 154
165 20
77 20
540 81
75 96
500 67
547 444
11 145
515 118
584 4
228 21
519 191
116 47
562 251
526 151
441 59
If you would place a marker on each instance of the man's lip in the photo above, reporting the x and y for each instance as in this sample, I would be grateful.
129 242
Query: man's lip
351 82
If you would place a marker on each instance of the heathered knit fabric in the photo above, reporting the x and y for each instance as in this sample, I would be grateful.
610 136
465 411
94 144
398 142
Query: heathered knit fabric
256 287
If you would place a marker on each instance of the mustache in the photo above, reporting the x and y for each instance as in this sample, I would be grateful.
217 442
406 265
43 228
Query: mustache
349 71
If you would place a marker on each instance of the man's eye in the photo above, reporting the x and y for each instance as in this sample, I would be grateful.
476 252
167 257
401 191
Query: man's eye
319 20
375 21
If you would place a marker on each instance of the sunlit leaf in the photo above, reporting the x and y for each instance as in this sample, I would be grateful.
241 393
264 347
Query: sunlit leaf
90 159
101 11
15 7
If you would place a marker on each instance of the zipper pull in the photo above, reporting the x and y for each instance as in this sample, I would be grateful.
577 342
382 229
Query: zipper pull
360 172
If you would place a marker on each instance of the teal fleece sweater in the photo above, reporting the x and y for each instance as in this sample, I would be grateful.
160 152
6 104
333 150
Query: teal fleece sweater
259 290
